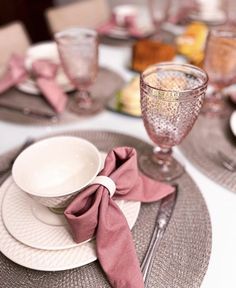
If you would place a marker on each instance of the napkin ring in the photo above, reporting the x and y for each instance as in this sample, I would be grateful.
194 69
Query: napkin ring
107 182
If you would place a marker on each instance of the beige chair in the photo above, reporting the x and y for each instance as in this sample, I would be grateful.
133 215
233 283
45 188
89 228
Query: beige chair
13 39
86 13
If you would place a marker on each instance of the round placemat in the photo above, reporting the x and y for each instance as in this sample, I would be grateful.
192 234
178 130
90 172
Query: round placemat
182 257
202 146
23 103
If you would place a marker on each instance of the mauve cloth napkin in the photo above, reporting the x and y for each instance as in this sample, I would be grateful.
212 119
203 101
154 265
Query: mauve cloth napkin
94 212
130 26
44 71
15 73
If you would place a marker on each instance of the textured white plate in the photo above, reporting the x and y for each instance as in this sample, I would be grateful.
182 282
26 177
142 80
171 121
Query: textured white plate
25 225
50 260
233 122
46 50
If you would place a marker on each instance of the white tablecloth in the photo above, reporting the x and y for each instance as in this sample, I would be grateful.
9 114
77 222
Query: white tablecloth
221 203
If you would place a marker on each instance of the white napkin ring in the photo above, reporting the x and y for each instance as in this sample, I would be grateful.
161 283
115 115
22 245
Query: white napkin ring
107 182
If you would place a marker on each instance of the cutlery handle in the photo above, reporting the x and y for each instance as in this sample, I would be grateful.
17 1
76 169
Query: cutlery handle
147 263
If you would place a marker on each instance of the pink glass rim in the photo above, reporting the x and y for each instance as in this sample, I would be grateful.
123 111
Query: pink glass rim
177 67
74 31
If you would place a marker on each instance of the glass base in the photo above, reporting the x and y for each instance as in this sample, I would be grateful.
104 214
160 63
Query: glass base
154 170
84 107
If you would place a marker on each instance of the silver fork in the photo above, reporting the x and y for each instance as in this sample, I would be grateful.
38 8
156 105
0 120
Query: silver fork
162 220
6 169
227 162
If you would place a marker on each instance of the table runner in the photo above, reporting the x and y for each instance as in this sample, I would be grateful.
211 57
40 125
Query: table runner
112 80
201 146
182 257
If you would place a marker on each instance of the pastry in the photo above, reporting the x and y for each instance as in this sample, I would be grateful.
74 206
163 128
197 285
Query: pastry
147 52
128 99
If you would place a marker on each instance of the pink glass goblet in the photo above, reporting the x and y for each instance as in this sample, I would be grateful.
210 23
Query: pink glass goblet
158 10
220 65
78 51
171 98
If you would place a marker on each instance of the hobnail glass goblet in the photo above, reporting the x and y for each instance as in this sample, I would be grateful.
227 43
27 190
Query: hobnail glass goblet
171 98
220 65
78 51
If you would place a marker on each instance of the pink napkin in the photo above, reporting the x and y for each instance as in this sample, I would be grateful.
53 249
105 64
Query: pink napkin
130 26
45 72
15 73
95 212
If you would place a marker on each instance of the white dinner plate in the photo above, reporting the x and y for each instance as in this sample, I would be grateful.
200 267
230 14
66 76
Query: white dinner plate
53 260
233 122
26 224
122 33
48 51
217 17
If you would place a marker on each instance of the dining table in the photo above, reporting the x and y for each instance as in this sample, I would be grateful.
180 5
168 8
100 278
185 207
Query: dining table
220 201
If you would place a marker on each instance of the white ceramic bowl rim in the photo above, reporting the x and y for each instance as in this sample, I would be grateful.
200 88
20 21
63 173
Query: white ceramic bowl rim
17 164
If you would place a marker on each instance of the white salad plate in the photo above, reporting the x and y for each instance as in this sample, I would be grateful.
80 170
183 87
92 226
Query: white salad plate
46 51
51 260
26 224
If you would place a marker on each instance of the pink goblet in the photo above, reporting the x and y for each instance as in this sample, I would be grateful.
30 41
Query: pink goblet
171 98
158 10
220 64
78 51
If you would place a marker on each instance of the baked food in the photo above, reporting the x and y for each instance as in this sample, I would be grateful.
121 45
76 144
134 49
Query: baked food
192 42
147 52
128 98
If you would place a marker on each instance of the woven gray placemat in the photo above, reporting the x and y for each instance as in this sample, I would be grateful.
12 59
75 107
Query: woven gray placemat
106 85
201 146
182 257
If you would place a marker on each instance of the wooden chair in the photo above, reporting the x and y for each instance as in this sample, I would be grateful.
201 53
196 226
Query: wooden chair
86 13
13 39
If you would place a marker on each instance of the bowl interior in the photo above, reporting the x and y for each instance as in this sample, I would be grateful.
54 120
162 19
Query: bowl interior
56 166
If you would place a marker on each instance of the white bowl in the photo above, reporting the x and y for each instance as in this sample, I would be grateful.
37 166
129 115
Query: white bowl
121 12
54 170
46 51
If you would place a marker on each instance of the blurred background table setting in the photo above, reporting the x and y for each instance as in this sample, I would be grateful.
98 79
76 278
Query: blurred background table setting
136 101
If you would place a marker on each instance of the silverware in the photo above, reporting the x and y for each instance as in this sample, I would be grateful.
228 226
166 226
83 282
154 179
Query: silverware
164 214
227 162
7 169
29 112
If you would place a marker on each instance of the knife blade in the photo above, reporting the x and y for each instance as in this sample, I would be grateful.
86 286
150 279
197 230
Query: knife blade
163 217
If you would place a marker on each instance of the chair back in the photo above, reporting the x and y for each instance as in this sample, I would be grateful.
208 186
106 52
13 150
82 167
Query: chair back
13 39
86 13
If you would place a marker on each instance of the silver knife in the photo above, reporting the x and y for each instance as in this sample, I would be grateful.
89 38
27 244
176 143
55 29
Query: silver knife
164 214
29 112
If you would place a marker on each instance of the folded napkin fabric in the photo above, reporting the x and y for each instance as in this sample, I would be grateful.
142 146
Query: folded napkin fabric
94 212
44 72
130 26
14 74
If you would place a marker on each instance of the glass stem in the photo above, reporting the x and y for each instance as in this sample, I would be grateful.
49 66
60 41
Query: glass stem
162 156
83 95
83 98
